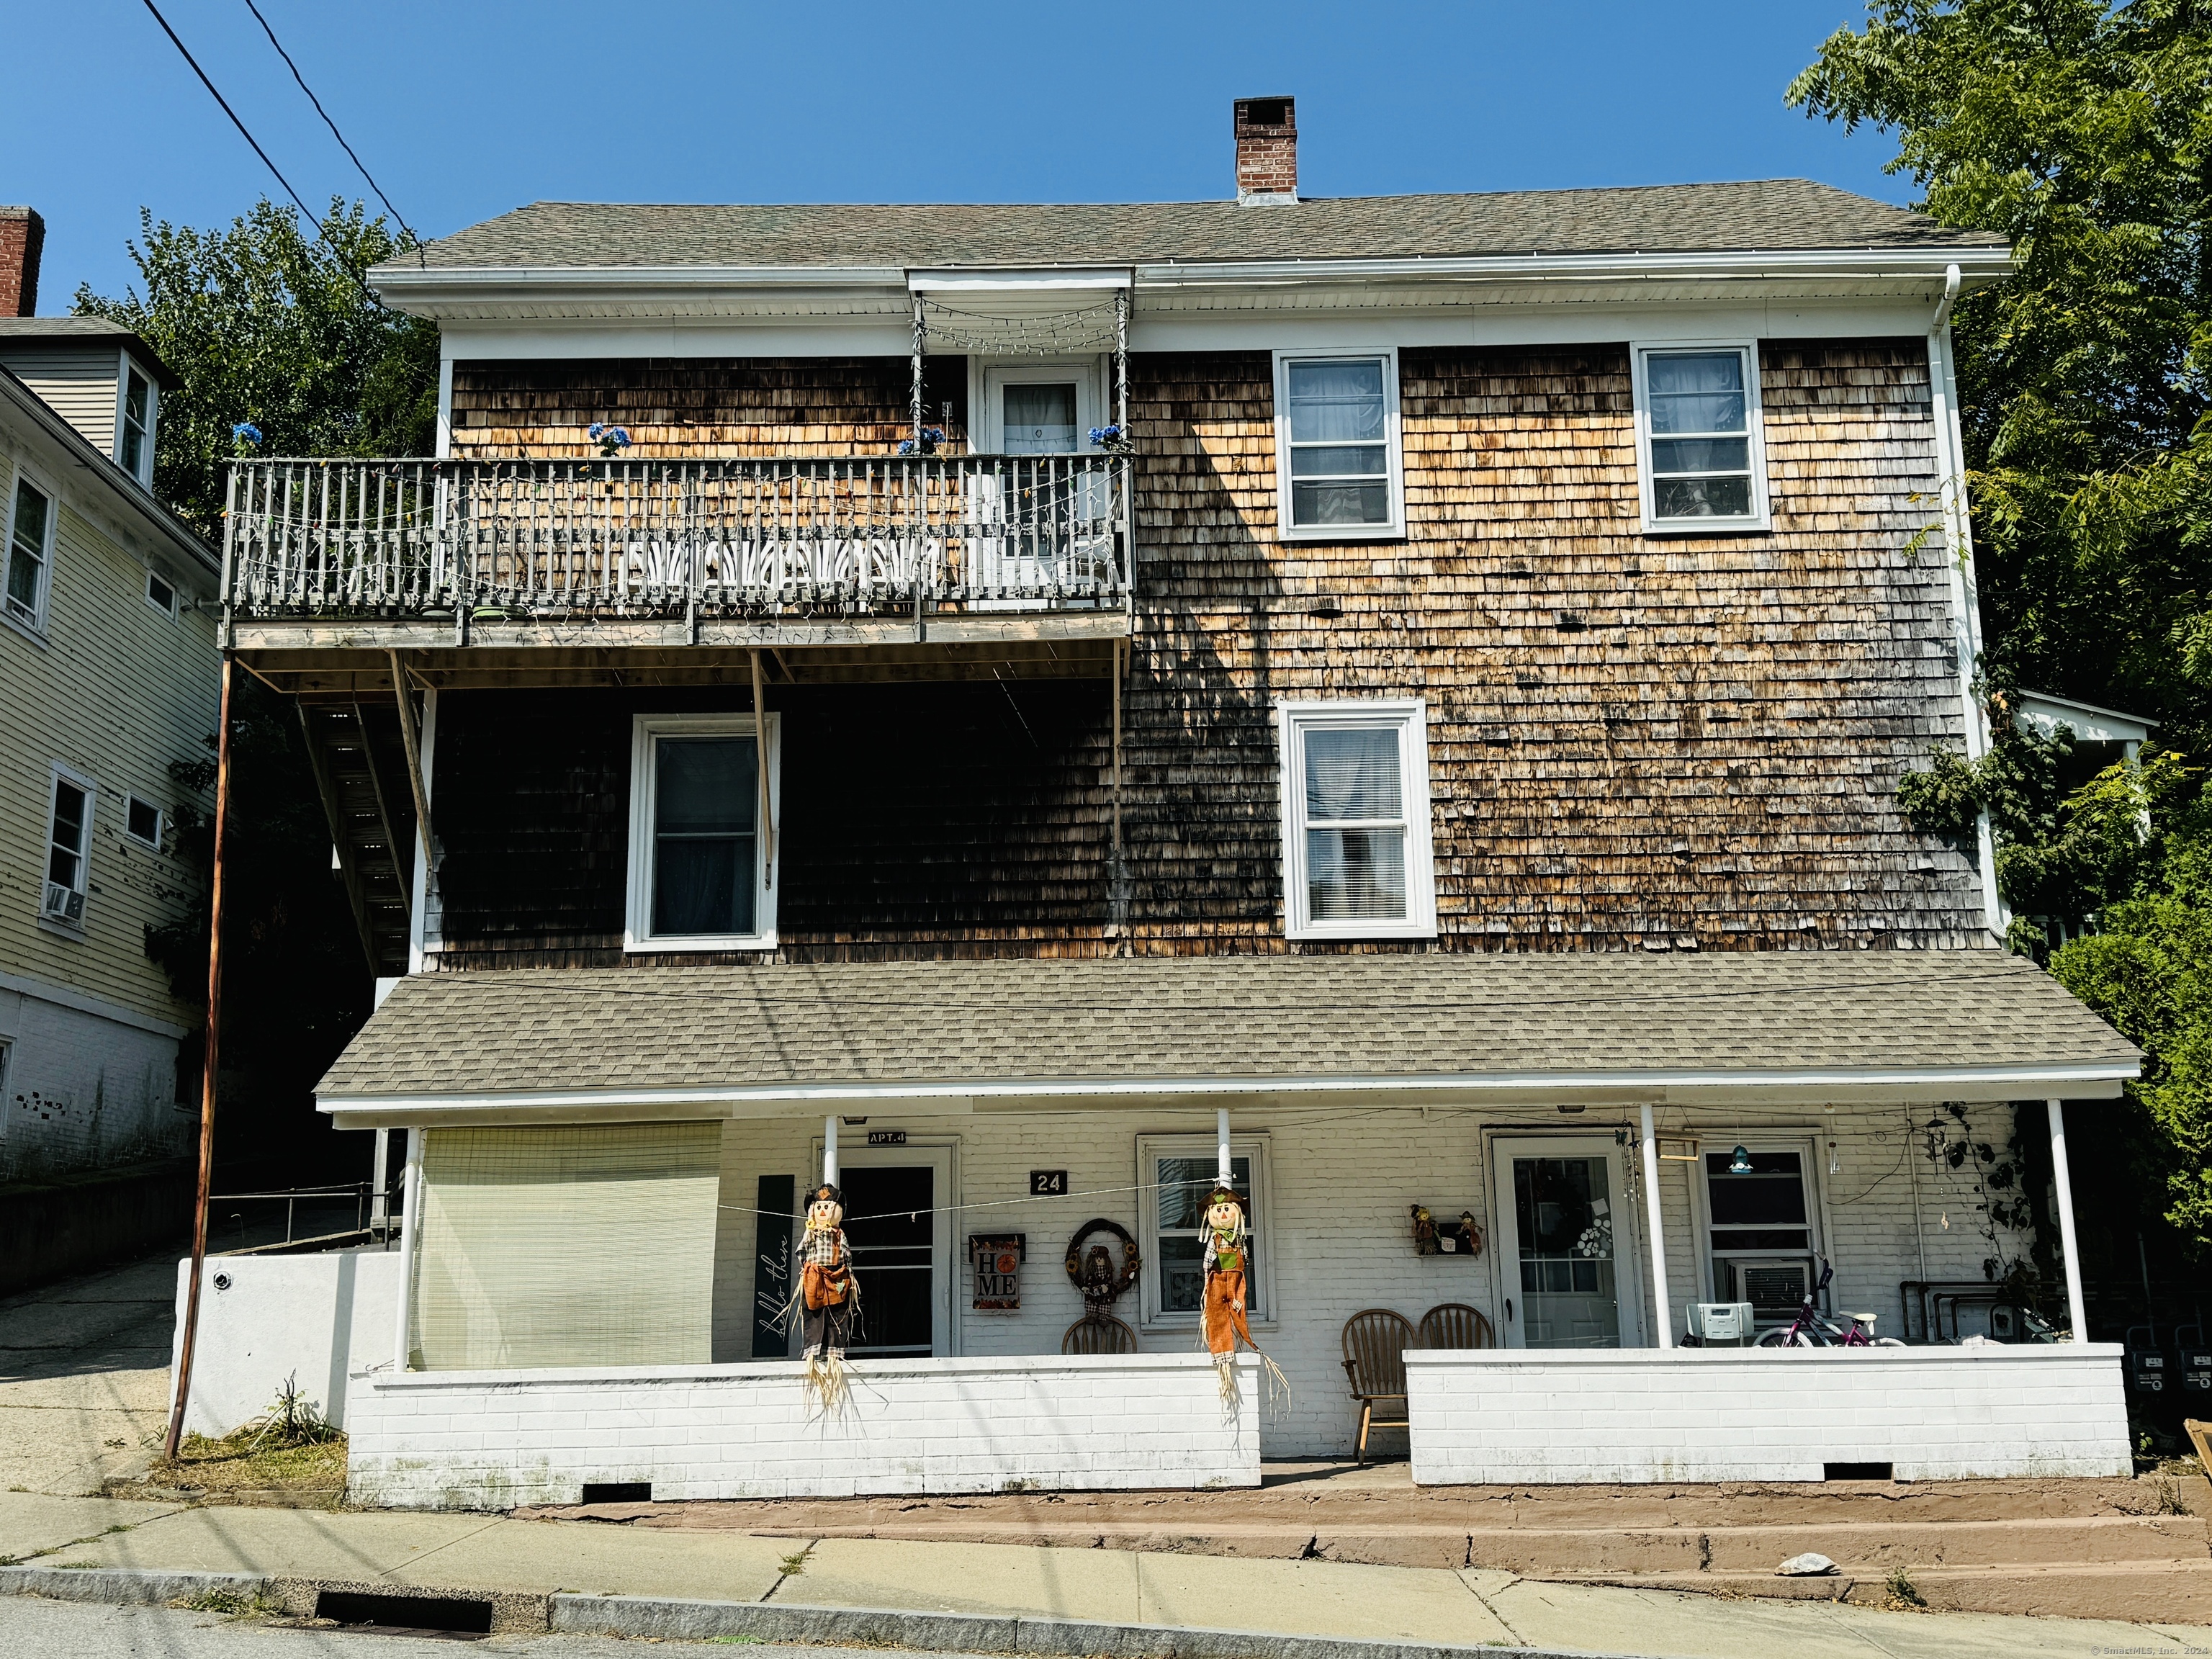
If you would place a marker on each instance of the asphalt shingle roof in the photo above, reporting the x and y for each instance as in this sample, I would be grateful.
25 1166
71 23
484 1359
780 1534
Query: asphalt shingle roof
61 331
998 1023
1769 214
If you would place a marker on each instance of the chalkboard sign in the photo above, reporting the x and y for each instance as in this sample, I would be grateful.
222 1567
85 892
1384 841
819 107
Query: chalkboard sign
772 1266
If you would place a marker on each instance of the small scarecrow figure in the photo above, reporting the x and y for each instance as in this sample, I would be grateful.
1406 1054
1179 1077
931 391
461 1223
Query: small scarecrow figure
828 1293
1224 1310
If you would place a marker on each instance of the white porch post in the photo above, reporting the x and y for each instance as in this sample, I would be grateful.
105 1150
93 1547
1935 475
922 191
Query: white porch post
1221 1145
411 1228
380 1196
1658 1240
2076 1314
830 1149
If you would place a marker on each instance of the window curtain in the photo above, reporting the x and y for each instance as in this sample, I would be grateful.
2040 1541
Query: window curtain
1354 874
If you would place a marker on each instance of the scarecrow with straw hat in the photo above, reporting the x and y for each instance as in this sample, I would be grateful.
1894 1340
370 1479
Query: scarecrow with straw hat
827 1297
1224 1310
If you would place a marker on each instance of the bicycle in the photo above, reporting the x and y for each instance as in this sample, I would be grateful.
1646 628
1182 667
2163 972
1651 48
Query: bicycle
1812 1328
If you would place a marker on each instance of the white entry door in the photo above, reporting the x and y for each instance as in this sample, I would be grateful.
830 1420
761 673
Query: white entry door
1565 1245
898 1219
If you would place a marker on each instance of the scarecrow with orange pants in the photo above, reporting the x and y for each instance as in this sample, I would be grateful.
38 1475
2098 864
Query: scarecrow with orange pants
1224 1311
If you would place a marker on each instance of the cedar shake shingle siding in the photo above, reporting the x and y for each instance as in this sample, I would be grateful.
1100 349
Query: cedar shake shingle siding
1634 742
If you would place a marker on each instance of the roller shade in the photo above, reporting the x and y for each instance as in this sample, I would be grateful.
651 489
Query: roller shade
584 1245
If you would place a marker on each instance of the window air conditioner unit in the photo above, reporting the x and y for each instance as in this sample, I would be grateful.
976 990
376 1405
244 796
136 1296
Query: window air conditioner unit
64 903
1775 1288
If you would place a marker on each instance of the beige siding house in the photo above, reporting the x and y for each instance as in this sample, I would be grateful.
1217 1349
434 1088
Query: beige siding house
108 674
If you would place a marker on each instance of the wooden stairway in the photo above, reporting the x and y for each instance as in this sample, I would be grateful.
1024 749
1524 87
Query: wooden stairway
360 768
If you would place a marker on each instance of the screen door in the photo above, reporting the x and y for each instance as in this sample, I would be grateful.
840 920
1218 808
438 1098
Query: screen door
901 1235
1565 1245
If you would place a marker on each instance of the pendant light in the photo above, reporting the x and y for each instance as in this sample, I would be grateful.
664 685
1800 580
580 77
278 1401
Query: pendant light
1742 1162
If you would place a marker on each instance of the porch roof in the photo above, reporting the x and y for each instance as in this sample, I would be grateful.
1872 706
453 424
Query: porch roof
650 1041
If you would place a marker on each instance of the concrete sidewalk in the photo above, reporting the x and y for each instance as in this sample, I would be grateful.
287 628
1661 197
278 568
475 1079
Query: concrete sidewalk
1311 1598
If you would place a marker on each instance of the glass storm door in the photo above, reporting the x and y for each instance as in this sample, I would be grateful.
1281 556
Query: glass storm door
1565 1245
901 1241
1037 417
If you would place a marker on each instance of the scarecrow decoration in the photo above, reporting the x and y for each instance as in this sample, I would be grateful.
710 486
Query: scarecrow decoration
827 1298
1223 1312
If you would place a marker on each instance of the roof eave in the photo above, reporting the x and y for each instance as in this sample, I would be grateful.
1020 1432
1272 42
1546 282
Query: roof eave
140 500
1810 1085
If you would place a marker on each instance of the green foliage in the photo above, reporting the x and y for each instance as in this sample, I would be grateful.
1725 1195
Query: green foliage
270 324
2082 132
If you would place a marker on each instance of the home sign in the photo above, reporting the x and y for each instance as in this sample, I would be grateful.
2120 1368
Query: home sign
998 1259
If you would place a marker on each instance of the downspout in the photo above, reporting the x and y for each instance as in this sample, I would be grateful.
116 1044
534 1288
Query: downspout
1966 610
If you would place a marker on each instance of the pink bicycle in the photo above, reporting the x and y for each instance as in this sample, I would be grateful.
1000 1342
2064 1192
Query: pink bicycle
1812 1328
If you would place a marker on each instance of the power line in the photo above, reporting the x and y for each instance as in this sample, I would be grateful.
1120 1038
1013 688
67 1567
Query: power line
312 218
327 122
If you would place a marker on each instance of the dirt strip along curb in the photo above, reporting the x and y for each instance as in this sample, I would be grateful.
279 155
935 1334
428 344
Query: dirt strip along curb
678 1620
955 1633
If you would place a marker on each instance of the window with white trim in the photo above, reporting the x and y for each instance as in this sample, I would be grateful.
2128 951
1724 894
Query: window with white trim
69 849
1699 450
30 553
1357 858
702 873
1337 467
134 429
160 594
142 822
1761 1225
1175 1172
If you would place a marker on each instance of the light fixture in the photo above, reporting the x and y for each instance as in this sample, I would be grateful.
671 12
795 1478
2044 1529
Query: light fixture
1835 1160
1741 1164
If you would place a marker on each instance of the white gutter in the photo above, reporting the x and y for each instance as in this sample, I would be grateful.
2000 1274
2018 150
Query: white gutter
1942 1081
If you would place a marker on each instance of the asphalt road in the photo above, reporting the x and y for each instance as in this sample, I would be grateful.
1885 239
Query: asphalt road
35 1629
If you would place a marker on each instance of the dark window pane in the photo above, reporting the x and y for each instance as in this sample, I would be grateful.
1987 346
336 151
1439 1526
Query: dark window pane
145 820
1761 1238
1333 460
30 519
707 786
1700 454
1323 505
1702 498
702 885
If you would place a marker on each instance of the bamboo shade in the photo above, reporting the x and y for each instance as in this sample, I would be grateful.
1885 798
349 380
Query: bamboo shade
583 1245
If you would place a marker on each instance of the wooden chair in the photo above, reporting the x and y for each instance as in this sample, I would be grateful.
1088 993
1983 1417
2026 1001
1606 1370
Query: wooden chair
1455 1325
1374 1343
1108 1335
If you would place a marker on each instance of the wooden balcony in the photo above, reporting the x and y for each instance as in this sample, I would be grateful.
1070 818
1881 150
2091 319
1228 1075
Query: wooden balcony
518 568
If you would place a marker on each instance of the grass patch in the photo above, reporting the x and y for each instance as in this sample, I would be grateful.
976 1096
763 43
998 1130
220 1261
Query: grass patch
1903 1592
243 1463
794 1564
228 1601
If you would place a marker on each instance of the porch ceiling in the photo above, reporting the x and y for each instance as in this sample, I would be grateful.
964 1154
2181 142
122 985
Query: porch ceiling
959 1036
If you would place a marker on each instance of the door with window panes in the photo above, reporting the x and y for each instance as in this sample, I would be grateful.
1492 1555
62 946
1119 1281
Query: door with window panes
1035 505
1565 1244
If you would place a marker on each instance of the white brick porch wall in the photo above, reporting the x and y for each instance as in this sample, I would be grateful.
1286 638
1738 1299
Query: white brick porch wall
493 1439
1766 1414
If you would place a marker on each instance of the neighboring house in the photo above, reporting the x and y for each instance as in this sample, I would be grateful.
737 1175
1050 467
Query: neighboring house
1441 750
108 672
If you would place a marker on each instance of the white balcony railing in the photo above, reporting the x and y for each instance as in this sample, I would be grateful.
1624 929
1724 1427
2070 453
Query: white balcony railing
527 539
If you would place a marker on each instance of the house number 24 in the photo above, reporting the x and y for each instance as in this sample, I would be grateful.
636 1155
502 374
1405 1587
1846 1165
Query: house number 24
1048 1183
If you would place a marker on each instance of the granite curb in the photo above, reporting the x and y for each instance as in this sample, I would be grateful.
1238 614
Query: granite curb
669 1619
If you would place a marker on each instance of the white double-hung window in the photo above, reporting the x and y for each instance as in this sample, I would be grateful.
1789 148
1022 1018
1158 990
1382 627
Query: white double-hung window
1699 453
1337 472
1357 860
703 863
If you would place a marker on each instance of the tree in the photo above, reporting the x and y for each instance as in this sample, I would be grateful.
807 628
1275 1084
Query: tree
271 325
2081 130
268 322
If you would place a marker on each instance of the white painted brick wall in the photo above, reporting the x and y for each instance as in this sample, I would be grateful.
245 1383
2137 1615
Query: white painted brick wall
82 1091
492 1439
1343 1178
1766 1414
314 1318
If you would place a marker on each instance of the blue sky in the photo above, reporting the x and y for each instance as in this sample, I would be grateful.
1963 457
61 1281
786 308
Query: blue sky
465 108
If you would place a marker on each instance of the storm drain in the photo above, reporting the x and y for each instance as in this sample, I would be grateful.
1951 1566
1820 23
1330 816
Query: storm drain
617 1491
405 1615
1856 1471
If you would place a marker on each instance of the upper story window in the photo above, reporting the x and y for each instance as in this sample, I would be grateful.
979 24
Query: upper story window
143 822
702 874
30 553
160 594
1338 472
134 429
1356 850
1702 462
69 849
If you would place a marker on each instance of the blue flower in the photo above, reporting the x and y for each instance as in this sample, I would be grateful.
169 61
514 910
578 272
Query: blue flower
906 446
1105 437
594 430
247 433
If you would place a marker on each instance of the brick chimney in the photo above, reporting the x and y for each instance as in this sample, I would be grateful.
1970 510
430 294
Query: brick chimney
23 239
1266 150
